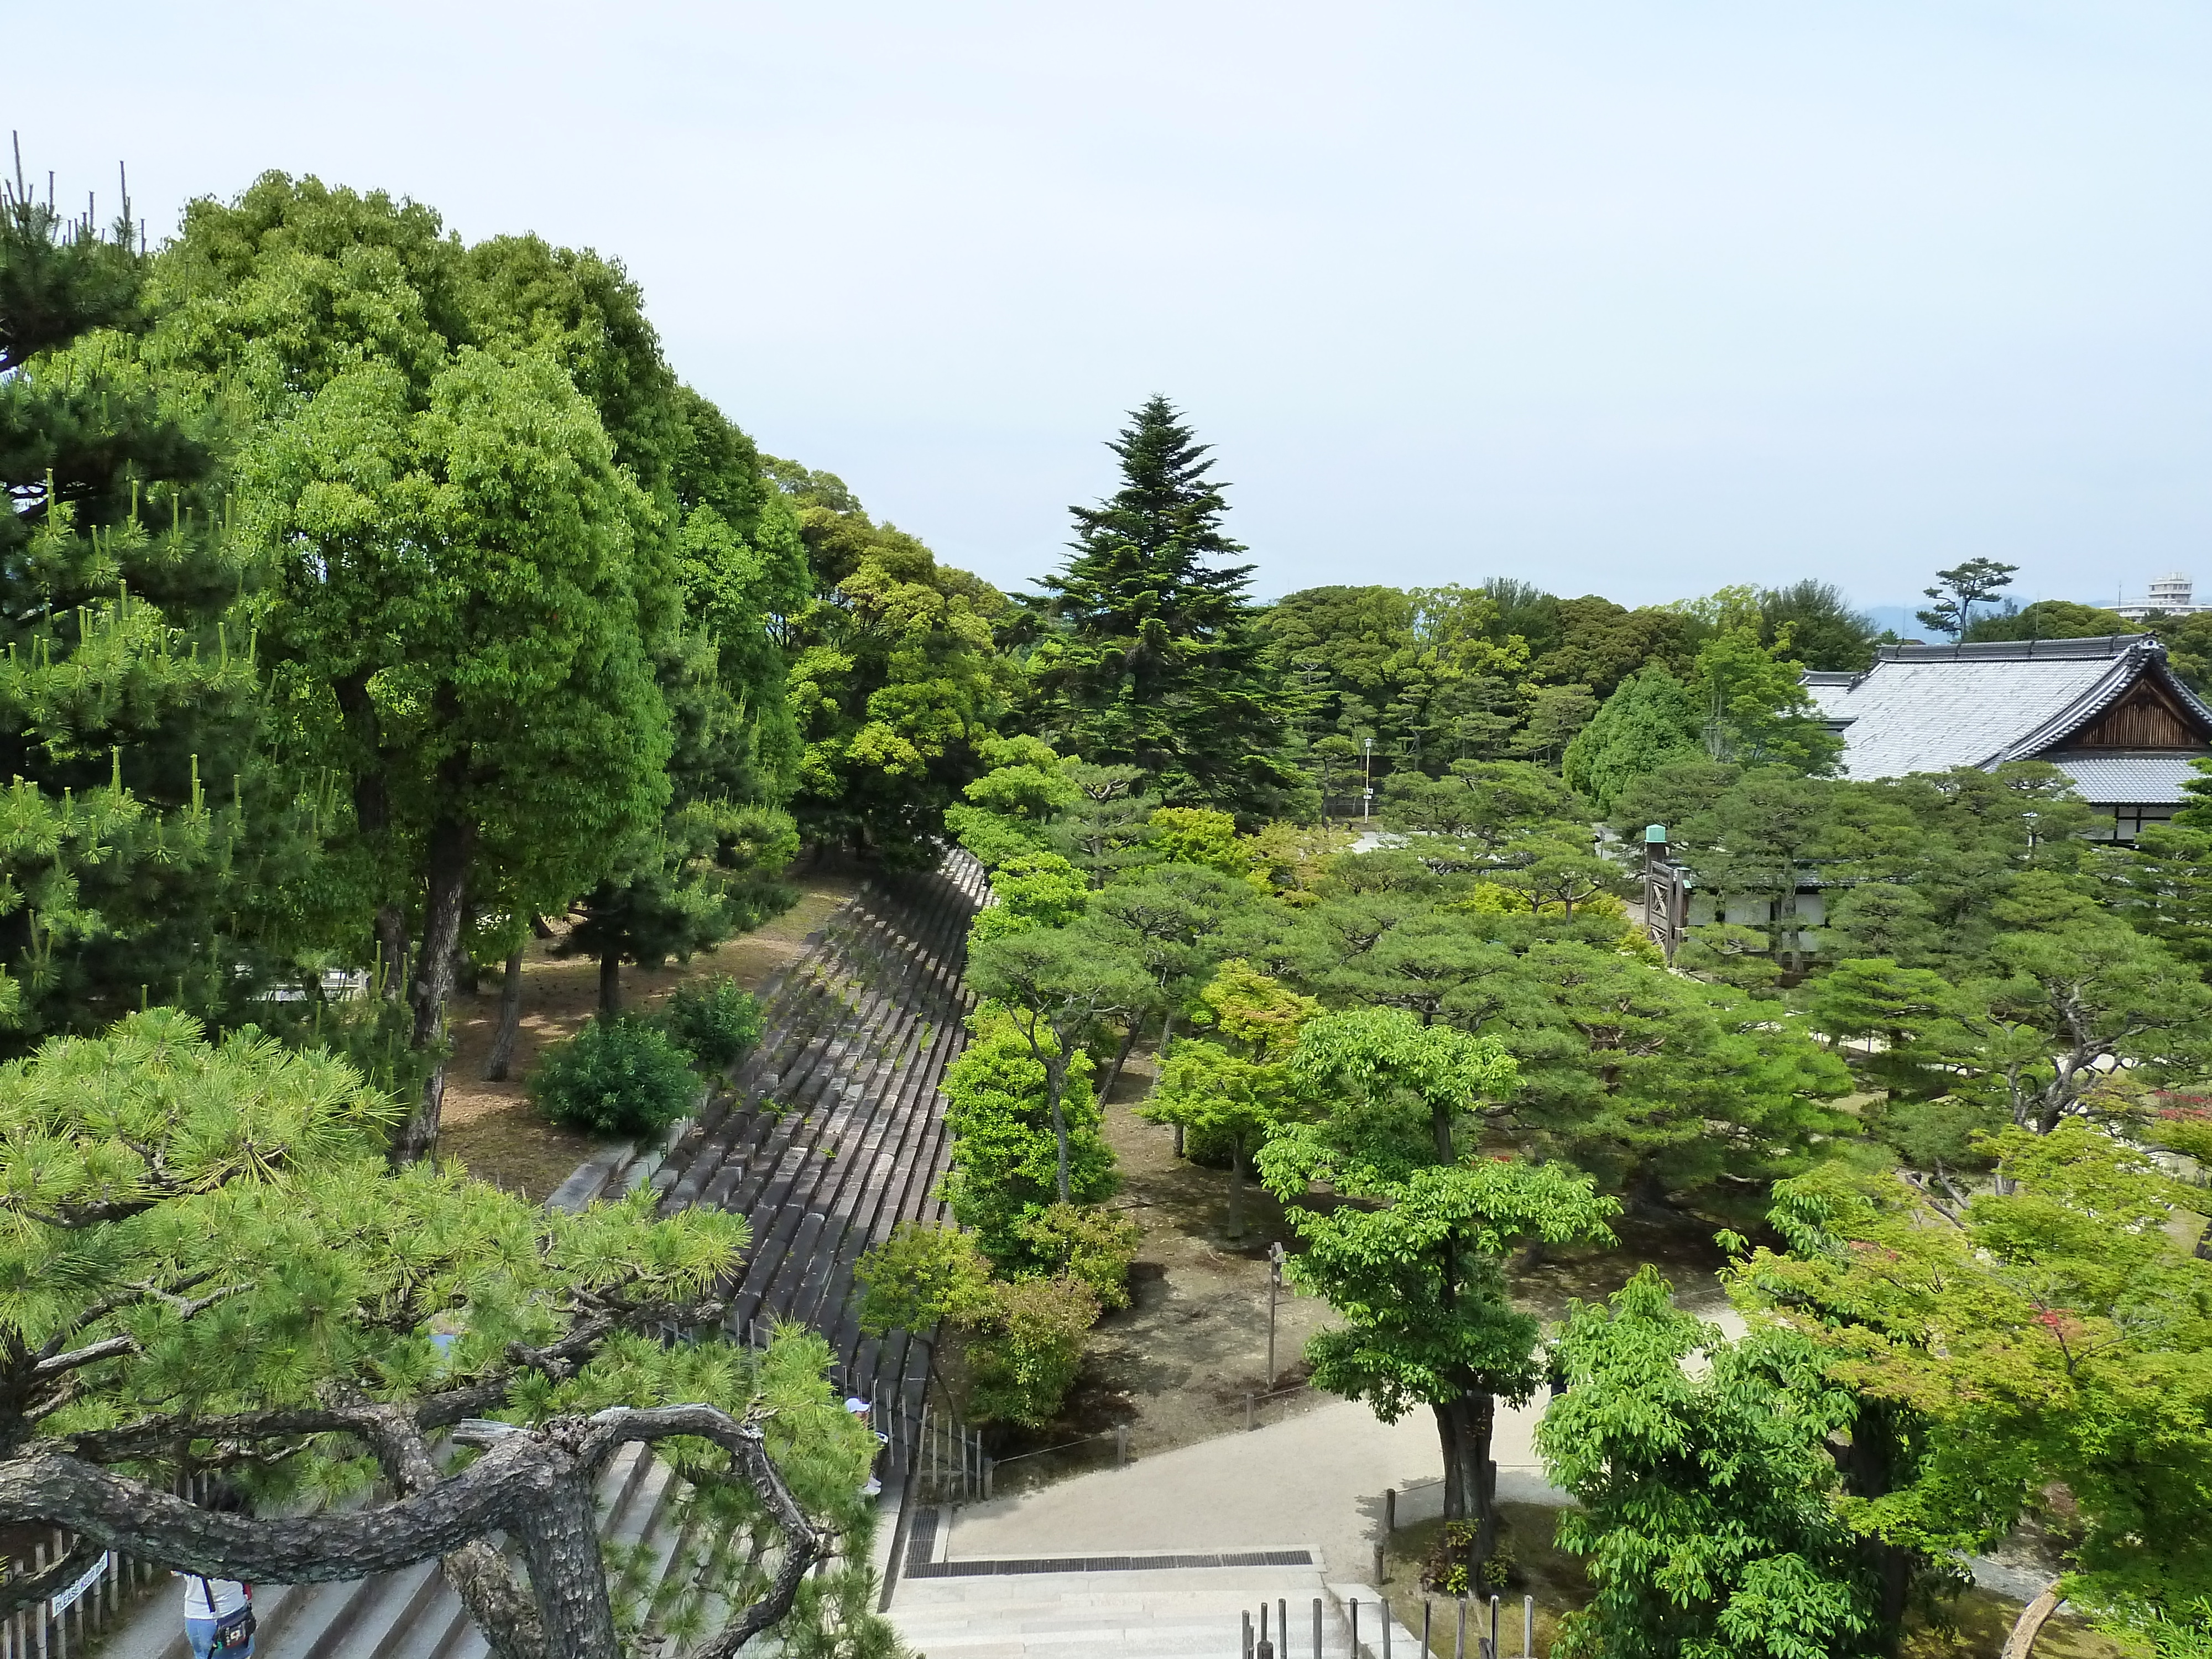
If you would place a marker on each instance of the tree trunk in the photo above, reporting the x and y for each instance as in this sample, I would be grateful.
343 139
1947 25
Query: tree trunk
1121 1059
510 1019
1869 1466
1464 1427
1060 1148
560 1537
1237 1191
392 951
539 927
2021 1642
611 985
445 899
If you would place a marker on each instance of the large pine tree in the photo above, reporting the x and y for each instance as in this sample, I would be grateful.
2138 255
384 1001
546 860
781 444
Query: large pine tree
128 697
1150 656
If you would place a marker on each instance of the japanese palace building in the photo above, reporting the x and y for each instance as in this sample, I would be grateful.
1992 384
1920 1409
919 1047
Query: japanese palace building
2108 712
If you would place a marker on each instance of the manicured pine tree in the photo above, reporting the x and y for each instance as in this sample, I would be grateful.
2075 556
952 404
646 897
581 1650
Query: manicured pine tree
128 704
1152 657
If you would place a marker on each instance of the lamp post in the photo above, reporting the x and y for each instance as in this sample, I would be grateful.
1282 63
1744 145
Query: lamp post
1274 1288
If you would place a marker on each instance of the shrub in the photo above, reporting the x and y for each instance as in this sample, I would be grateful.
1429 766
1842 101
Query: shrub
617 1076
1023 1357
1085 1243
1003 1174
713 1022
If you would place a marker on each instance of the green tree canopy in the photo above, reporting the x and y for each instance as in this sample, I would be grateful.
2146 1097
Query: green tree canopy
1703 1493
146 837
209 1269
1650 722
1414 1264
1150 656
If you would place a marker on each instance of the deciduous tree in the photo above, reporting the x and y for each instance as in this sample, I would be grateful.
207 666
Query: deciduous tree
1412 1256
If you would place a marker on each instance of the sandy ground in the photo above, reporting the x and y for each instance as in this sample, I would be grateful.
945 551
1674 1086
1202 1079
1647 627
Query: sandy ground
490 1127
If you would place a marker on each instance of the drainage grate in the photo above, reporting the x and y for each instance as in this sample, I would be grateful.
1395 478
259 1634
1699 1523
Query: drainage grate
922 1543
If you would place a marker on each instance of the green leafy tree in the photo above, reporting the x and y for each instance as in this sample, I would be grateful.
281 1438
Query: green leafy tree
711 869
1150 656
1703 1495
1054 988
2075 1012
1017 1147
1599 644
1757 711
1035 889
1173 923
1557 714
1659 1085
1650 722
146 838
896 680
464 606
1824 631
2163 886
1414 1262
2050 619
1237 1089
2049 1336
216 1273
1958 590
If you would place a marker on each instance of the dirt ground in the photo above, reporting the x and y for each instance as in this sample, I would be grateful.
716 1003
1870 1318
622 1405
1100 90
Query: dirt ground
490 1127
1176 1367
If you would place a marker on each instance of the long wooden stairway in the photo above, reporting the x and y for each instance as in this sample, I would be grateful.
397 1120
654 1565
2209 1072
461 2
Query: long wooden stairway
827 1137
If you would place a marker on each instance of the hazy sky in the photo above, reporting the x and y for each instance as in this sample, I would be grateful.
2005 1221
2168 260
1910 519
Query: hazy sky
1636 298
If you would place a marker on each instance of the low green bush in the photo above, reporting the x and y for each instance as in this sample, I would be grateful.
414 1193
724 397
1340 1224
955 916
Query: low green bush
1084 1242
1022 1355
619 1077
713 1022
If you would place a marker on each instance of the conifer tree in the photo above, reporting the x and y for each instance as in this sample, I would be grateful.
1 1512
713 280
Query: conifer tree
127 689
1151 657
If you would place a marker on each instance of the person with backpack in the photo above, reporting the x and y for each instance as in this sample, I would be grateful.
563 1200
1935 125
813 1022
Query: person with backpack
219 1612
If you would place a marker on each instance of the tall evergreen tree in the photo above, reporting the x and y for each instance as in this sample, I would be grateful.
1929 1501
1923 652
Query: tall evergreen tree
128 705
1150 656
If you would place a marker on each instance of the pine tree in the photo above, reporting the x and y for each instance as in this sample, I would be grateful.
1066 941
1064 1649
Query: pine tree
1152 657
127 689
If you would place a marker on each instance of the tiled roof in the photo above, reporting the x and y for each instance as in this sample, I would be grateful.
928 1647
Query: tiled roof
2138 780
1930 708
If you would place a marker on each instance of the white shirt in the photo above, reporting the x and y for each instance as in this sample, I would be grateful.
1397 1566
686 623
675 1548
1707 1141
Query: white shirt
229 1596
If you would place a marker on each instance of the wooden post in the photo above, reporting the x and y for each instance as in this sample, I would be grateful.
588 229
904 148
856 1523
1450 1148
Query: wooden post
1527 1627
1247 1413
1316 1624
1120 1444
1389 1510
1379 1574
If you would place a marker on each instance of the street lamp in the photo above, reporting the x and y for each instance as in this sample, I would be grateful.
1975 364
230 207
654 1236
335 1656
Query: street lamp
1367 792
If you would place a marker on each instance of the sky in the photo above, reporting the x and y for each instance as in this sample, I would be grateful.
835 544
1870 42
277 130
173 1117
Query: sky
1612 295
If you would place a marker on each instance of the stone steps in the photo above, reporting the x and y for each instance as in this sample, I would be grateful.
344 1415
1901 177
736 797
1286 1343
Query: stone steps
825 1137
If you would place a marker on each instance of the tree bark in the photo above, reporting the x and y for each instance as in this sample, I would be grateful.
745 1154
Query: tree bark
1055 1081
392 951
1236 1192
450 844
560 1543
611 985
1464 1428
536 1484
510 1019
2033 1617
1121 1059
